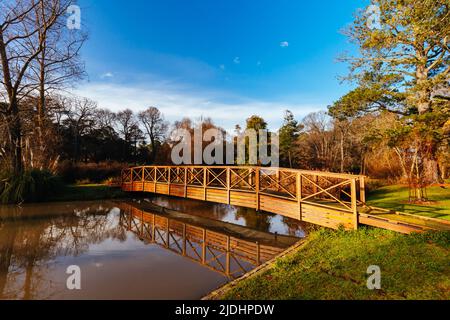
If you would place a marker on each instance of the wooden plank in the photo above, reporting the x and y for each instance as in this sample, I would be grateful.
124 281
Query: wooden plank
389 225
177 190
162 188
149 187
195 193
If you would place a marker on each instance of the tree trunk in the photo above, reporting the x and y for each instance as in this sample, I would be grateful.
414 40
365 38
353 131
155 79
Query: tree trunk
342 151
153 153
431 172
15 136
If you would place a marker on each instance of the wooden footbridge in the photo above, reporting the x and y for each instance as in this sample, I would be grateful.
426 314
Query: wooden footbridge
326 199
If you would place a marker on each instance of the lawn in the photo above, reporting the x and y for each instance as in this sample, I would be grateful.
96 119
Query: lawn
333 265
396 198
88 192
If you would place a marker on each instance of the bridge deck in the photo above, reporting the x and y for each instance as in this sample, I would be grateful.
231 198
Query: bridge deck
326 199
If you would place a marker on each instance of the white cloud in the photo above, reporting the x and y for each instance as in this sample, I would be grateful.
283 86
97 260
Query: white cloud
284 44
237 60
176 103
107 75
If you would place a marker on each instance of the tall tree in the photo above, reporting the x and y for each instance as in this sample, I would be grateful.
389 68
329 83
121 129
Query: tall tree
57 66
288 134
403 68
23 35
129 130
80 119
155 128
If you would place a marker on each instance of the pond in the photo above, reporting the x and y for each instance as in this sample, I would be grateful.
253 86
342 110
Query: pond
134 249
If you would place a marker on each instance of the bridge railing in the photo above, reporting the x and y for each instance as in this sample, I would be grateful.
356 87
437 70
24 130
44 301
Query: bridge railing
289 192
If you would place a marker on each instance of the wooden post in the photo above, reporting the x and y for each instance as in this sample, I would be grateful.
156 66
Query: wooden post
168 181
229 185
185 182
257 178
299 194
228 257
154 228
362 189
143 179
205 182
278 179
131 220
204 247
168 233
354 204
258 254
184 239
132 184
156 178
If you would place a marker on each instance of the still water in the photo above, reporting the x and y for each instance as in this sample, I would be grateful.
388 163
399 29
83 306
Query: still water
126 250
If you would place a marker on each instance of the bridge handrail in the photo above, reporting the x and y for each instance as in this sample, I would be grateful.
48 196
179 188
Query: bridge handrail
311 172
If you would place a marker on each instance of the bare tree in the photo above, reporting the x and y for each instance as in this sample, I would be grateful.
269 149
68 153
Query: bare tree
58 65
105 118
155 127
80 117
23 37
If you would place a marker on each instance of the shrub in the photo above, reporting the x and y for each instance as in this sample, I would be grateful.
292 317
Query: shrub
31 186
89 172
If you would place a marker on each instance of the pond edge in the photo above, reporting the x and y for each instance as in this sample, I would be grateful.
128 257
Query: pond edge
221 291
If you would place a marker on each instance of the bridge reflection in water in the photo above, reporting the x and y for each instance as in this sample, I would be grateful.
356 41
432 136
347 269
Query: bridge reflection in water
219 251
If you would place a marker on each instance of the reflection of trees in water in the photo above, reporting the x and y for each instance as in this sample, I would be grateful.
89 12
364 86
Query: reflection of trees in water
254 220
294 227
216 211
27 244
199 208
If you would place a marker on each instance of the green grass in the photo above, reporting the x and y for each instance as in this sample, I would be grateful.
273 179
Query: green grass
88 192
333 265
396 198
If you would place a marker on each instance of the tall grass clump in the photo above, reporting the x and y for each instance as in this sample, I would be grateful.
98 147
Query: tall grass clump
89 172
31 186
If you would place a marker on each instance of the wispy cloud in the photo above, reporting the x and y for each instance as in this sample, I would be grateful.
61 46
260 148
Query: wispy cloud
237 60
222 67
107 75
175 102
284 44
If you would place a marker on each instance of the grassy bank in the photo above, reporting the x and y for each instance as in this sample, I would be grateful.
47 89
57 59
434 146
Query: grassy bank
333 265
396 198
87 193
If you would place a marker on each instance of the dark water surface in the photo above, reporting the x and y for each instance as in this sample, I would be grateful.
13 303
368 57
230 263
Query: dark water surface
117 261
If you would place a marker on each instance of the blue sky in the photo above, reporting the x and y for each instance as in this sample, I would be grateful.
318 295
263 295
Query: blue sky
223 59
